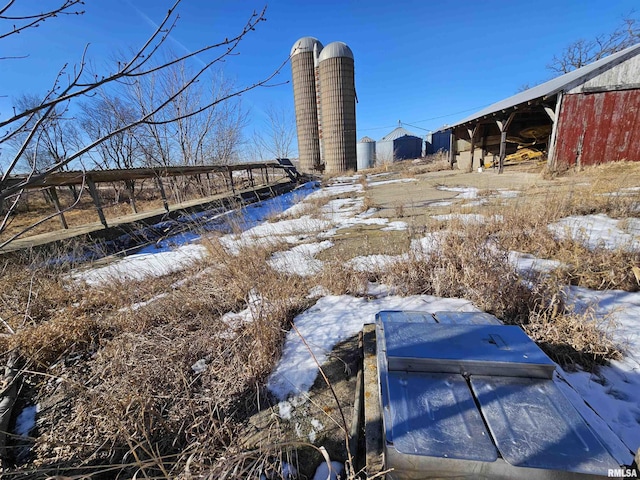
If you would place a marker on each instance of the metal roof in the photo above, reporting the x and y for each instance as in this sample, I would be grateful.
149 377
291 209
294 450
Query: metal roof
366 140
77 177
397 133
305 44
561 83
336 49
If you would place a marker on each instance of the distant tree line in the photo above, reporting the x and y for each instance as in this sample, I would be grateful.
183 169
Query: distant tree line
181 133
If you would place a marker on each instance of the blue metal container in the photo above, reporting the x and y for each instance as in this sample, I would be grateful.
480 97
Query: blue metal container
462 398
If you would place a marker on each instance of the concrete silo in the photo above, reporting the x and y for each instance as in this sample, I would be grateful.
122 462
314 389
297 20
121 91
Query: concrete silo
338 112
303 65
366 153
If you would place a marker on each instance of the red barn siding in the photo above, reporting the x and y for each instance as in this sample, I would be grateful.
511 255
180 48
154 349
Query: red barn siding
599 127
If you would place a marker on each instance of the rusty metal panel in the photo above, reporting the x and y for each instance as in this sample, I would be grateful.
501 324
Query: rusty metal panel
599 127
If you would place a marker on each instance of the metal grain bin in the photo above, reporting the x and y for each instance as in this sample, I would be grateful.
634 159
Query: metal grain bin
366 153
338 113
438 141
400 144
466 400
303 60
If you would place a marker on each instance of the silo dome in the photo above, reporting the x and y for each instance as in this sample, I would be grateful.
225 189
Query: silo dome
335 50
305 44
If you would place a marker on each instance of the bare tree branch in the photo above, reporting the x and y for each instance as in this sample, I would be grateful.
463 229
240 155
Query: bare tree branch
583 52
32 125
34 20
131 68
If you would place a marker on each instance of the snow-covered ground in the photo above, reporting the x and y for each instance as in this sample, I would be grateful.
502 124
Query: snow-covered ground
609 401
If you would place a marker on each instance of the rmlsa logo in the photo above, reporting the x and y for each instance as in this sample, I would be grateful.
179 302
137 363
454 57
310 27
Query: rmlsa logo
623 472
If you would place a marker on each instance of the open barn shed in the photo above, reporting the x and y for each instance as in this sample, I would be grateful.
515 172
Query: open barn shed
585 117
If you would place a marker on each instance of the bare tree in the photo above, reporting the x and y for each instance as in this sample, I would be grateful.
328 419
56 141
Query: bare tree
210 136
582 52
276 140
55 138
230 119
79 83
101 116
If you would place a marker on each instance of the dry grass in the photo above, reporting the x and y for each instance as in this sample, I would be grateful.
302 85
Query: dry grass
138 403
570 336
119 395
465 266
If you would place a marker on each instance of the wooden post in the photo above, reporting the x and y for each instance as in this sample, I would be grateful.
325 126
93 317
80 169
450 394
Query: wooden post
484 146
472 136
208 184
452 149
96 201
233 187
163 194
503 125
131 187
54 196
551 148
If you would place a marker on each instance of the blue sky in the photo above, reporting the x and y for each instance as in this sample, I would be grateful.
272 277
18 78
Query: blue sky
425 63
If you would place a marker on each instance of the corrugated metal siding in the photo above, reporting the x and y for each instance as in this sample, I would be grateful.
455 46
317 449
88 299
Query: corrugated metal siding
407 148
384 152
599 127
397 133
439 141
366 154
625 74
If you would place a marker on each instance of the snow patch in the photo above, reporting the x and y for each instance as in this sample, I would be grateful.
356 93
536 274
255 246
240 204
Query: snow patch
334 319
300 259
599 231
395 226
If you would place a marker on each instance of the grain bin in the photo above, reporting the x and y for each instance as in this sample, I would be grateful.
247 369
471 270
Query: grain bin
400 144
303 60
366 153
338 100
